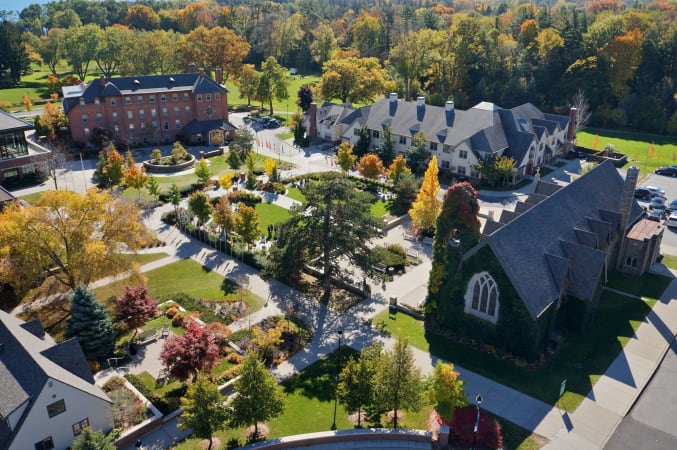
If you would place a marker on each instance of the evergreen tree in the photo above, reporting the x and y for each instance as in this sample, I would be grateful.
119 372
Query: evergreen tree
363 143
13 55
305 97
418 154
204 411
92 440
386 149
90 323
406 189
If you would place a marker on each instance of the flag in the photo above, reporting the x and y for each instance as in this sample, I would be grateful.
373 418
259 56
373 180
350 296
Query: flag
650 152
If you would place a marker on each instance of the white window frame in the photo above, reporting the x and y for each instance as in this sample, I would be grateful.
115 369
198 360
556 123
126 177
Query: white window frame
482 298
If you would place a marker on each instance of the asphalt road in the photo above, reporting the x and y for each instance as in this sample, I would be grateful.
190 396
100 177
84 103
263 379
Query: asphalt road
669 184
651 423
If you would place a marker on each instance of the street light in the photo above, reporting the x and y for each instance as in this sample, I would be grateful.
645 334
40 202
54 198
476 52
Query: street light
478 402
338 371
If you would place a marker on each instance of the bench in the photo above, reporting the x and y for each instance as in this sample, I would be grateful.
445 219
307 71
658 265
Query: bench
411 253
380 268
409 236
147 336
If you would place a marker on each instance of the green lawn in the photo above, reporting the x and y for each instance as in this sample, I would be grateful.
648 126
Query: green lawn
270 214
650 286
145 258
296 194
279 107
670 261
184 276
635 145
380 208
581 360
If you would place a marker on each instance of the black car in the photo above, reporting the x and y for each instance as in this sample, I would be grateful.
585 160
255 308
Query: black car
643 194
667 170
272 123
656 215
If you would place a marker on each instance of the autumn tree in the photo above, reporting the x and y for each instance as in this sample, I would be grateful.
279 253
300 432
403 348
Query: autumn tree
495 169
324 44
200 206
445 390
218 47
81 235
203 171
226 181
195 351
258 396
242 143
223 215
247 224
412 55
90 323
398 168
345 157
51 120
204 409
459 216
110 47
356 390
26 101
370 166
134 308
352 79
398 380
135 178
265 342
141 17
273 83
110 167
427 206
270 167
248 82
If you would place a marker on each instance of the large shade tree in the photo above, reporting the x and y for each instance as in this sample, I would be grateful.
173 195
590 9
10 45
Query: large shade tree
204 409
195 351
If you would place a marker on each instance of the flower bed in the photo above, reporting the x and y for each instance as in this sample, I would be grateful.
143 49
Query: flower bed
169 167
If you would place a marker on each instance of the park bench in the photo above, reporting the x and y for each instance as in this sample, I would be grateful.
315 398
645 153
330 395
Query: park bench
428 241
147 336
411 253
409 236
380 268
165 331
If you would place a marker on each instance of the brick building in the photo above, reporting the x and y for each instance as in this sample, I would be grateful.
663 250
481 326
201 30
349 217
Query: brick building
20 157
149 109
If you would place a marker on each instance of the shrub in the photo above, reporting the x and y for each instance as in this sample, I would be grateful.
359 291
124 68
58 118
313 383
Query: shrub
397 249
384 256
275 188
245 197
462 426
114 383
178 320
235 358
94 366
232 372
171 312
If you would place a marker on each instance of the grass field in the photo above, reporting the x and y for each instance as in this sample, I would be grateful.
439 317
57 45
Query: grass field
270 214
635 145
581 359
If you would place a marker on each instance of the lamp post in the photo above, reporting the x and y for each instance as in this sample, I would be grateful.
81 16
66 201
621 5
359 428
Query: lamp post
338 371
478 402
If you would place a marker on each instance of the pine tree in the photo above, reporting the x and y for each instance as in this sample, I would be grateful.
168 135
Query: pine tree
427 206
204 411
90 323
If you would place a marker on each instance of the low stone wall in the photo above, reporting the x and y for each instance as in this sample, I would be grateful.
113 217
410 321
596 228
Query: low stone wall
210 153
366 438
160 168
618 159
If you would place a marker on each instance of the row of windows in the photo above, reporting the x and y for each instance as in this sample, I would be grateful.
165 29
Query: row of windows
142 126
142 114
48 442
140 99
463 154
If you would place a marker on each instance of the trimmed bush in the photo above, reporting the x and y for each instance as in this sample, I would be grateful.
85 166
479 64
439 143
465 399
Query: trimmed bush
245 197
462 426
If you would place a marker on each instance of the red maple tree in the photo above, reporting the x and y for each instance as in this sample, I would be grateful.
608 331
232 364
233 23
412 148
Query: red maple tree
135 307
195 351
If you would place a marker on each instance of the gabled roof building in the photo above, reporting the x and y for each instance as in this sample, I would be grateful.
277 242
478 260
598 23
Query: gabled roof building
20 157
47 392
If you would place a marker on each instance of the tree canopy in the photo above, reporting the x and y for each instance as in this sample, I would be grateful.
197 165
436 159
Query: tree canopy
90 323
195 351
204 409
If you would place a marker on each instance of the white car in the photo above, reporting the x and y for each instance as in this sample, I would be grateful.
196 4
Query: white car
655 191
672 221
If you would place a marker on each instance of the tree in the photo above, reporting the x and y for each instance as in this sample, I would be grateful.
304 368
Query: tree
203 171
406 189
305 97
459 216
153 187
345 157
226 181
412 56
109 168
51 120
134 308
195 351
324 44
248 82
418 153
92 440
90 323
80 46
356 383
26 101
370 166
110 47
352 79
367 34
200 206
265 342
51 48
242 143
445 390
179 153
495 168
175 197
273 83
582 117
397 169
427 206
13 55
270 166
258 397
386 149
233 160
223 215
363 143
81 235
141 17
212 48
204 409
247 224
398 380
135 178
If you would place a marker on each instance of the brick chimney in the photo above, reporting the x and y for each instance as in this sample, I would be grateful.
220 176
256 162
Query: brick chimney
102 80
450 113
572 122
392 103
219 75
420 108
312 120
191 68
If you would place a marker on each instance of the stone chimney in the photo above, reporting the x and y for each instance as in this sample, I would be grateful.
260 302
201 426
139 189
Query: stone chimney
449 113
312 120
392 103
572 122
219 75
202 71
102 80
191 68
420 108
628 196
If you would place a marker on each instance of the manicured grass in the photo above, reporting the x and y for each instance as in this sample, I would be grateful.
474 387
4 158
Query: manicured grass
670 261
582 358
380 208
270 214
279 107
516 437
149 381
635 145
285 136
649 286
145 258
296 194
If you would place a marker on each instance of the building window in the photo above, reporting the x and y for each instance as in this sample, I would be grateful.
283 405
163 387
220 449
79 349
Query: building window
86 131
99 117
79 427
154 124
187 109
143 125
128 100
131 128
56 408
445 165
447 148
139 99
82 101
163 98
433 146
199 97
217 96
186 96
631 262
115 116
166 125
176 110
403 140
463 154
177 124
461 170
153 113
481 297
116 129
375 134
113 101
45 444
142 114
164 112
208 97
151 99
96 100
84 118
130 115
356 131
175 97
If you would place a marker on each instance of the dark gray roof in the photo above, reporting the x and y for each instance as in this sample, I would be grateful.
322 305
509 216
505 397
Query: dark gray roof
10 123
526 245
204 126
148 84
28 361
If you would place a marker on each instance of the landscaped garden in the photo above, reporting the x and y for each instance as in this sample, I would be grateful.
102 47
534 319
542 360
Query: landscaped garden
580 359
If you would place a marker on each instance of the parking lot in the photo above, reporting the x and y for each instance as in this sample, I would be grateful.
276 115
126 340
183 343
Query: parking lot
669 184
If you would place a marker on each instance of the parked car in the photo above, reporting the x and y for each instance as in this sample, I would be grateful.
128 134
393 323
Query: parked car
264 120
655 191
657 203
672 206
672 221
667 170
655 215
272 124
643 194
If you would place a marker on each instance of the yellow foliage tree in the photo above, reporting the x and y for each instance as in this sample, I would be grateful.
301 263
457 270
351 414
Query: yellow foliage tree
79 235
26 100
270 166
226 181
398 168
371 166
446 390
345 156
427 206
